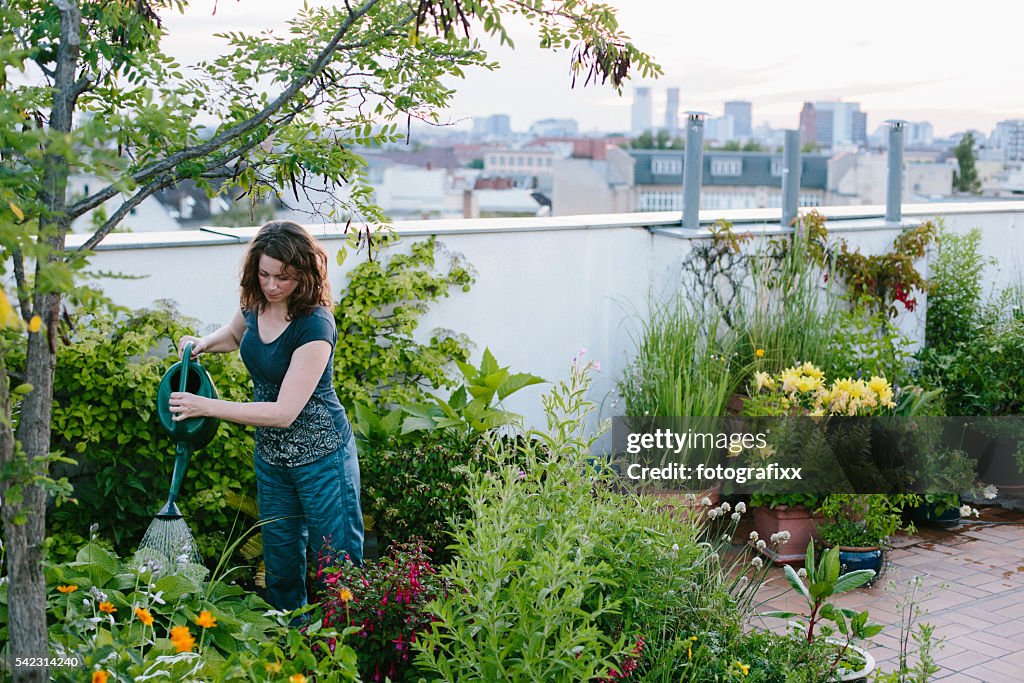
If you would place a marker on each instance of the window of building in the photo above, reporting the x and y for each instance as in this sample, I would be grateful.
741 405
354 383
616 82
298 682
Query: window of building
666 166
726 166
529 161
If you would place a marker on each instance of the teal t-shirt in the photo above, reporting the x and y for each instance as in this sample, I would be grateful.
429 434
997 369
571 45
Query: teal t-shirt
321 427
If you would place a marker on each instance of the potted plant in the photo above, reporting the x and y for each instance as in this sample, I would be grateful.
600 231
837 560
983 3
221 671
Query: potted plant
802 412
942 478
832 631
859 526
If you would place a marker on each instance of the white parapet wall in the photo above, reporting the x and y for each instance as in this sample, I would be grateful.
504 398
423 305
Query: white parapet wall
545 287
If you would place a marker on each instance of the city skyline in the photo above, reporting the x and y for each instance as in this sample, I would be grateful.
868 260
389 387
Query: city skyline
904 61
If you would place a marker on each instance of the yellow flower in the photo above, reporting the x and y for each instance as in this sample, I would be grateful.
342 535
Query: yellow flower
107 607
762 380
759 353
67 589
689 648
144 616
99 676
296 678
206 620
273 667
345 595
35 323
182 639
743 668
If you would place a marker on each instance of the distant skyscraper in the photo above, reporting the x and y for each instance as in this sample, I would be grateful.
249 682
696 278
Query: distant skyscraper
672 111
494 126
919 133
642 112
808 125
1009 136
840 123
740 111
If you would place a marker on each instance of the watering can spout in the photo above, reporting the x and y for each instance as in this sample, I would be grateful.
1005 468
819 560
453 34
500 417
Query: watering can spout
169 511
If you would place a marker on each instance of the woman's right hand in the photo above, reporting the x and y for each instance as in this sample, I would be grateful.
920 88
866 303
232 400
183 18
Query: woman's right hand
198 345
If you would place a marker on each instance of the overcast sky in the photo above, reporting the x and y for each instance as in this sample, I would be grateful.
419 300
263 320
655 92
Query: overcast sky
958 65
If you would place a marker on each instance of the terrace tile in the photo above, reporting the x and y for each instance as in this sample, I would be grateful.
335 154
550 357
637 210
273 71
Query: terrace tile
972 591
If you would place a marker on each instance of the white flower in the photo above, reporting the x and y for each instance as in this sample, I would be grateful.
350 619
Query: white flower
761 545
967 511
726 507
742 581
741 507
802 572
754 536
675 547
158 597
757 562
713 513
780 538
735 516
705 501
989 492
726 537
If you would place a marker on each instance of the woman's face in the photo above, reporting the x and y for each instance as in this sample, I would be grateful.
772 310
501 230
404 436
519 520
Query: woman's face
276 280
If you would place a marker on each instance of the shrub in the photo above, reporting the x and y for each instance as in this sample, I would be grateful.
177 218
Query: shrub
385 603
418 491
956 274
556 577
104 417
376 360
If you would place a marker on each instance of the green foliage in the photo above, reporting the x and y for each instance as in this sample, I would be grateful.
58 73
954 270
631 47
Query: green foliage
860 520
553 583
866 342
376 360
680 368
660 140
246 643
822 618
469 413
956 273
104 416
419 491
983 376
966 178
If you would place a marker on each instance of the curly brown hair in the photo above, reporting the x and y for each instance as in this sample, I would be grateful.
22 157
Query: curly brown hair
301 255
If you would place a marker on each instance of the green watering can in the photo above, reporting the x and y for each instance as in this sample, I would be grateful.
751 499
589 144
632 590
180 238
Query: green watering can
191 434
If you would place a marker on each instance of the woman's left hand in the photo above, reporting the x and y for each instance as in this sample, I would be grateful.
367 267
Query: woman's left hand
185 406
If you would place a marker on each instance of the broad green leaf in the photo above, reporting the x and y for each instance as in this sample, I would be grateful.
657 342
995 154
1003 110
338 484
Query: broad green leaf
853 580
796 582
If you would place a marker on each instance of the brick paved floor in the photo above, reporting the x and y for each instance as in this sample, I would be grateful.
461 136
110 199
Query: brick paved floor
972 590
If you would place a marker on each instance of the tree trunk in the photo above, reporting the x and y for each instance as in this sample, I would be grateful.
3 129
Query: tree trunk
27 591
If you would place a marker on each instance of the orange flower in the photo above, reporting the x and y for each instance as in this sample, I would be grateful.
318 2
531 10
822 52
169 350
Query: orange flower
107 607
759 353
206 620
296 678
182 639
144 616
67 589
345 595
99 676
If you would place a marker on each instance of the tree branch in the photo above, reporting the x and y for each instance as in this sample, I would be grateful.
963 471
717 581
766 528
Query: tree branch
21 283
234 132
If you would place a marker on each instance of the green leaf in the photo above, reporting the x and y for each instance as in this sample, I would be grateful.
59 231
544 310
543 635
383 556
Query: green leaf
517 382
796 582
852 580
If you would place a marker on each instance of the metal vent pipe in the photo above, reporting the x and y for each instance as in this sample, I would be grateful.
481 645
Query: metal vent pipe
693 168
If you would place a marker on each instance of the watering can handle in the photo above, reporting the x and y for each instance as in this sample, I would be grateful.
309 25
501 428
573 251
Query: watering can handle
186 356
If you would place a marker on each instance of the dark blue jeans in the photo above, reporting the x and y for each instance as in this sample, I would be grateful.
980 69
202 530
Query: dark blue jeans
314 506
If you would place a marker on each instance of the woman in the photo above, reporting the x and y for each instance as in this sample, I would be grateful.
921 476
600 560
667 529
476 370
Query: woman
307 472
